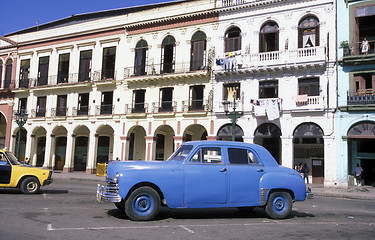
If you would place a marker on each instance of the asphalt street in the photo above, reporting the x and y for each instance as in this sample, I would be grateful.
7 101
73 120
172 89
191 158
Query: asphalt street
67 209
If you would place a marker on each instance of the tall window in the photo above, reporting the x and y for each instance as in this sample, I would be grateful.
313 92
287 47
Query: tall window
269 37
43 71
198 51
83 104
230 90
168 55
196 98
8 73
63 73
308 86
85 60
138 101
140 58
61 105
308 32
22 105
364 82
24 73
109 58
233 39
364 28
268 89
165 100
107 102
41 106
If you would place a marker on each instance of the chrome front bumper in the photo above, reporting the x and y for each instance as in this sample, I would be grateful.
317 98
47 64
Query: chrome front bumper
108 193
309 194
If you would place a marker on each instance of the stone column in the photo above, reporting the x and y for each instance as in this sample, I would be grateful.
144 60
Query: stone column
31 150
150 147
92 153
69 155
287 151
329 161
49 156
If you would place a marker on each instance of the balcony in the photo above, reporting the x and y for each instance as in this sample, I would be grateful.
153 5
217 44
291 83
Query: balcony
59 112
272 61
81 111
105 75
353 55
305 102
164 107
196 106
136 110
165 71
361 97
104 109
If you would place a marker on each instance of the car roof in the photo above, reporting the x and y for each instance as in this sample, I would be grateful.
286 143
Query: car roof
266 156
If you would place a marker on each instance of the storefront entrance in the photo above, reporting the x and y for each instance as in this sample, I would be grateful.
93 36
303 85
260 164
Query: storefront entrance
361 149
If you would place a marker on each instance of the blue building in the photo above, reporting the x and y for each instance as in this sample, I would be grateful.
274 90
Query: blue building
355 118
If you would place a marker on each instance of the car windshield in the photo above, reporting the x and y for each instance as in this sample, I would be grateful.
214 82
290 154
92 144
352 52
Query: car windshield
181 153
13 160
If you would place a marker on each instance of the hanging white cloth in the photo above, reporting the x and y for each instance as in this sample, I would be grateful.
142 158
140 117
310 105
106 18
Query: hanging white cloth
272 109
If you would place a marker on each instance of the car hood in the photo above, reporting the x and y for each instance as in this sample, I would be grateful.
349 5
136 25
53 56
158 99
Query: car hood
115 166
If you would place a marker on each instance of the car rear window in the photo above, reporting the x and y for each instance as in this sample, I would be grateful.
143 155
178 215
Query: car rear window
241 156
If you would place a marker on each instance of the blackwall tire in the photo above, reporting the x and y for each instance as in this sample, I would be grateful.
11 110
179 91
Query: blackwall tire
279 205
30 185
143 204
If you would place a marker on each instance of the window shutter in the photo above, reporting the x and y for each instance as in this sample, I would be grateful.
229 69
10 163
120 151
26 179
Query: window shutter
277 41
317 35
300 38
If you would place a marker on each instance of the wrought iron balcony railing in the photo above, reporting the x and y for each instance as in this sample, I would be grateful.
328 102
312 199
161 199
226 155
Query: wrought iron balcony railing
361 97
166 68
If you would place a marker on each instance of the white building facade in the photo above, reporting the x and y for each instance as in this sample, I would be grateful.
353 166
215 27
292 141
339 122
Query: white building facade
136 83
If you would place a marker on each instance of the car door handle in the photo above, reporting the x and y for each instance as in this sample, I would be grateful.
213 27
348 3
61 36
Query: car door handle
223 170
260 170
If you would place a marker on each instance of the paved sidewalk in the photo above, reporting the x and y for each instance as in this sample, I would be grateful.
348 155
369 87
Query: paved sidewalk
362 192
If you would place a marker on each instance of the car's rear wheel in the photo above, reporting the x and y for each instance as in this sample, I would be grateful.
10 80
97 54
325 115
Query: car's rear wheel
30 185
279 205
143 204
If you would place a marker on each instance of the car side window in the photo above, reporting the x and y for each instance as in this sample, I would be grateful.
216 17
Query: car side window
207 155
3 160
241 156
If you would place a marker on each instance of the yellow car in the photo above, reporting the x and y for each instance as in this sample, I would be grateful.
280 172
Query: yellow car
14 174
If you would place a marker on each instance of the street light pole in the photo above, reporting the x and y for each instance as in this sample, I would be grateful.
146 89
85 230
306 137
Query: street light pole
21 118
233 116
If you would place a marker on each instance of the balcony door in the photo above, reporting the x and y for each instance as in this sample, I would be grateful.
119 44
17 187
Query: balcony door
43 71
269 37
198 51
85 66
140 58
168 55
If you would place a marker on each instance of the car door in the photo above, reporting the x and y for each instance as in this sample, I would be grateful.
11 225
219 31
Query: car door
5 170
206 180
244 171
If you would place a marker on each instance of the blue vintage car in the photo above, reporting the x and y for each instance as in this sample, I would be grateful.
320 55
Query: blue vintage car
204 174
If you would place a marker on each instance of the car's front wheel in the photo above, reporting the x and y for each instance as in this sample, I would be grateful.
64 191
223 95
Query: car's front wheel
30 185
279 205
143 204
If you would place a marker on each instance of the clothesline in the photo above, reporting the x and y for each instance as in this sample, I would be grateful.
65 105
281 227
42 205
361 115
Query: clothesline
267 107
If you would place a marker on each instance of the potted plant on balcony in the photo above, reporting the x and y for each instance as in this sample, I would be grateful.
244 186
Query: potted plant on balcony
345 46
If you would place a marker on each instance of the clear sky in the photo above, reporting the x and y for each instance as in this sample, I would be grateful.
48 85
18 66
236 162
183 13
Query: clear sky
20 14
